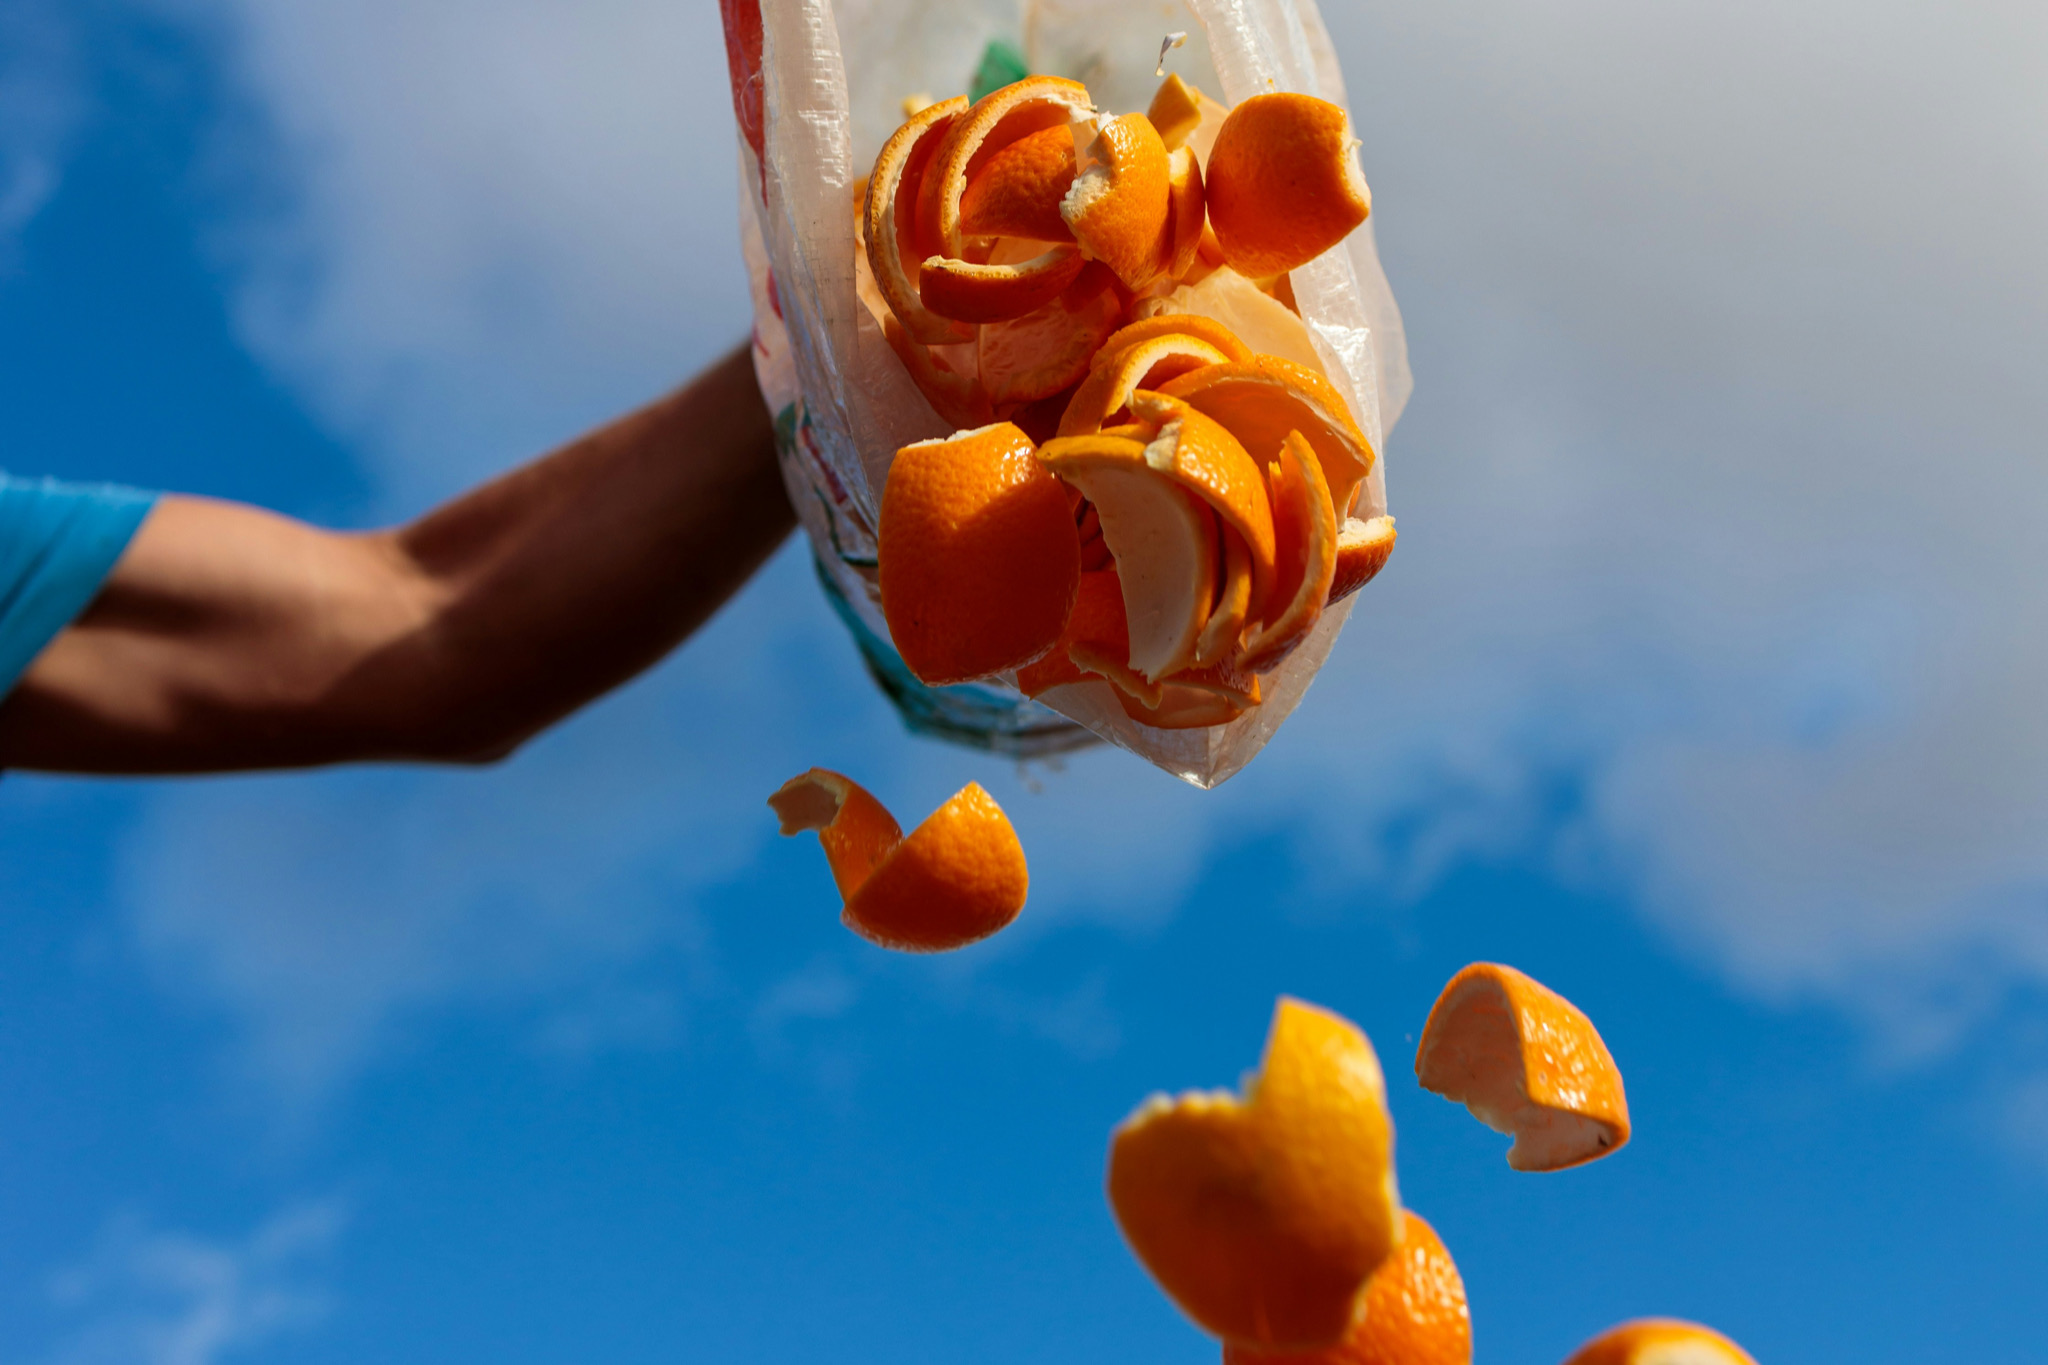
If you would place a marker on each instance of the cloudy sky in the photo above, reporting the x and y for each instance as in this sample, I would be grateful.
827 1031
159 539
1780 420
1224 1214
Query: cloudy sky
1706 684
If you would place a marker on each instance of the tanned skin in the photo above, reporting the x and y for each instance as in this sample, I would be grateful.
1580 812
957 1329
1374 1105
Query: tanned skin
229 638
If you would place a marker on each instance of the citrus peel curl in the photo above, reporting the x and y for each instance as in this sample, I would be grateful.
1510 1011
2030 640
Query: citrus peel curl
959 877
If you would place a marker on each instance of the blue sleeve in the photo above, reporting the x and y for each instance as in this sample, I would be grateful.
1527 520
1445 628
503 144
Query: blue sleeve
58 543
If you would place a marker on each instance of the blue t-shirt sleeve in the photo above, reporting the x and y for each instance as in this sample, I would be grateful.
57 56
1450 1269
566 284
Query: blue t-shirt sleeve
58 543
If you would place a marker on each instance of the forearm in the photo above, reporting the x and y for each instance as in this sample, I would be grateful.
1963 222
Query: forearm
230 638
565 578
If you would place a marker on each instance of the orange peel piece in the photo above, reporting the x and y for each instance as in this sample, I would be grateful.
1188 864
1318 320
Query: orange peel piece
1283 182
1197 452
971 291
1205 329
1176 111
1049 349
1526 1062
1162 537
1185 220
1018 193
1260 321
979 559
1113 378
1264 1216
1097 628
1262 402
1118 208
1227 619
888 219
1363 548
958 878
958 399
1414 1312
1660 1341
1305 528
992 124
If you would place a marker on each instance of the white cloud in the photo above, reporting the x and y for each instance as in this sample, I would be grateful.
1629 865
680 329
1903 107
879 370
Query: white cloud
40 105
151 1296
1720 498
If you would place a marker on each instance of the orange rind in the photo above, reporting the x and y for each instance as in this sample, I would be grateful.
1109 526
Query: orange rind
971 291
1527 1062
1159 324
1049 349
1018 193
1115 376
958 399
1283 182
979 559
1305 529
1414 1312
958 878
1660 1341
1162 536
1182 240
1224 629
888 221
1120 204
1198 453
1176 111
1262 402
1363 548
1097 628
997 121
1264 1216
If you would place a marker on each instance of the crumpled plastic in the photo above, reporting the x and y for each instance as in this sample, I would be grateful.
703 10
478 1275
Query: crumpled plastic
817 87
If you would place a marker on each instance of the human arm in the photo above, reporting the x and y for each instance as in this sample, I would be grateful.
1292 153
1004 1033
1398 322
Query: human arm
231 638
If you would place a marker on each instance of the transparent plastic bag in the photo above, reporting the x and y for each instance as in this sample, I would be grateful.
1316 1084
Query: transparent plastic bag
817 87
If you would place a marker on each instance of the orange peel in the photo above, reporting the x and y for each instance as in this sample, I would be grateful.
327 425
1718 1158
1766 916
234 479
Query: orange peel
1305 528
1181 242
992 124
1227 619
1118 208
1097 628
1176 111
1193 699
979 559
1363 548
1206 329
1049 348
958 878
1414 1312
888 219
971 291
1197 452
1264 1216
1162 537
1018 193
1144 364
1262 402
1660 1341
1283 182
1526 1062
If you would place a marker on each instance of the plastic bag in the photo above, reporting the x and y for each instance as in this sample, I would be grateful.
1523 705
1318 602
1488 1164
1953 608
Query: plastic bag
817 87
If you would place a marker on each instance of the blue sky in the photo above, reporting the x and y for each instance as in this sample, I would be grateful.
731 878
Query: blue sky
1705 687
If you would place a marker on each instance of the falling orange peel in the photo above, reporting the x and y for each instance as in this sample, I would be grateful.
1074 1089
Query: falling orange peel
1527 1062
1264 1216
1660 1341
1414 1312
957 879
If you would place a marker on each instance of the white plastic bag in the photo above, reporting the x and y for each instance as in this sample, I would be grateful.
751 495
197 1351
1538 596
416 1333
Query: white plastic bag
817 87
